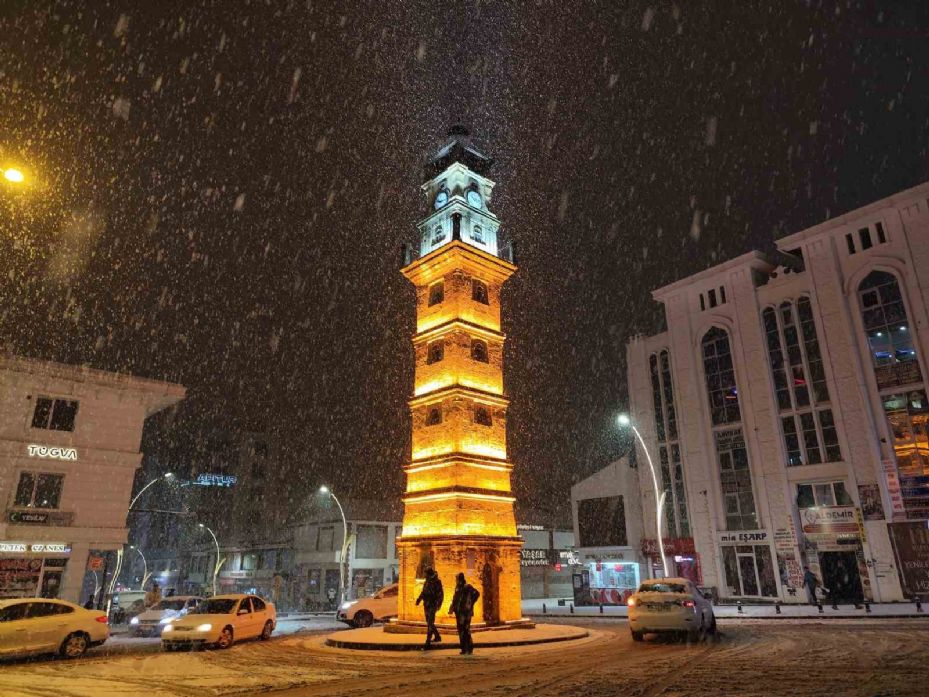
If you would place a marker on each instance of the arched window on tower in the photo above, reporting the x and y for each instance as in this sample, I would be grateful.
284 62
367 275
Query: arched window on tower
436 293
438 234
482 416
434 416
479 350
435 352
479 292
888 331
477 234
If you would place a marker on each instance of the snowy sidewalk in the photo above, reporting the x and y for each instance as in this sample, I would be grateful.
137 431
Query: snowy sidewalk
549 607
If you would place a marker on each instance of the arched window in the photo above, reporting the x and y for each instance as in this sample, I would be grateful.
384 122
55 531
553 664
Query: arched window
477 234
435 352
887 328
720 378
479 292
479 350
436 293
482 416
434 416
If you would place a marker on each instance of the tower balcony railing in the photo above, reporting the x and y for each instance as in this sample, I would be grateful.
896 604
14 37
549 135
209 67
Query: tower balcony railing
411 251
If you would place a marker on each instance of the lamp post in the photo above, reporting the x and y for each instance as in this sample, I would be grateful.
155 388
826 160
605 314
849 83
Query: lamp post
144 566
343 559
624 420
167 476
219 562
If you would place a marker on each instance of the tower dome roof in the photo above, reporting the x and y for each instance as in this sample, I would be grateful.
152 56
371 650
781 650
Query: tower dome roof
459 149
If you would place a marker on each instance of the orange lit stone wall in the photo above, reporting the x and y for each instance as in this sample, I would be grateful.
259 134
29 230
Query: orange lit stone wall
458 506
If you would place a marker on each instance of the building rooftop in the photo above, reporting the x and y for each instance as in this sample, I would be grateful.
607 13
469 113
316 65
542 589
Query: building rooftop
459 149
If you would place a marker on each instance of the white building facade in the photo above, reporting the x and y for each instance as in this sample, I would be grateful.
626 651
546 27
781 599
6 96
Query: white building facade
69 450
786 409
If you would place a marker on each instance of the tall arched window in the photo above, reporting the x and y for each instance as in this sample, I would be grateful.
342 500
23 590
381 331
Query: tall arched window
438 234
434 416
887 328
800 389
669 452
720 378
435 352
479 350
482 416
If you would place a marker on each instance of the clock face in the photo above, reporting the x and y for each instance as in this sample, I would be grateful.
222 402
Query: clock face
474 198
441 199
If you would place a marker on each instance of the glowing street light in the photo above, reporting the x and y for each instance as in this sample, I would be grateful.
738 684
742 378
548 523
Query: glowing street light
625 421
13 175
219 562
343 559
167 476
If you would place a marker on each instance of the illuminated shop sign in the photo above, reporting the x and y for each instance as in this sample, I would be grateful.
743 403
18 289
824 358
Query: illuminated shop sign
51 453
216 480
35 547
534 557
743 536
529 526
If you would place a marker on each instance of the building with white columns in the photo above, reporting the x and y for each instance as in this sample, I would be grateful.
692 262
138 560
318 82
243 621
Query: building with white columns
786 408
69 450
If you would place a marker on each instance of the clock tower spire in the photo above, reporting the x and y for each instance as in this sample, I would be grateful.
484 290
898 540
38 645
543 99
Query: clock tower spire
458 505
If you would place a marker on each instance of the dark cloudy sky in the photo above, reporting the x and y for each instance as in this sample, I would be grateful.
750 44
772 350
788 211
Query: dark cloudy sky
221 190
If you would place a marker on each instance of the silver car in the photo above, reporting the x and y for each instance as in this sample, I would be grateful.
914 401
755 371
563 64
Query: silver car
670 605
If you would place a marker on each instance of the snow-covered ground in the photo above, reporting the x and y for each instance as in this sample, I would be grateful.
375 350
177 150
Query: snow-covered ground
797 657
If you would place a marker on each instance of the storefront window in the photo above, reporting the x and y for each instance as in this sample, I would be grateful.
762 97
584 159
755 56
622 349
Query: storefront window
611 583
749 571
907 414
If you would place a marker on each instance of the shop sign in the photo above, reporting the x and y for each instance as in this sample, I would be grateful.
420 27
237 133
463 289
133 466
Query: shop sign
784 540
95 563
35 548
681 546
33 518
569 557
250 573
893 487
870 497
911 548
51 453
528 526
534 557
743 537
829 520
225 480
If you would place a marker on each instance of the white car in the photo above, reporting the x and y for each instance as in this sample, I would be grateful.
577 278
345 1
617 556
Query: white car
43 625
668 605
153 620
219 621
365 611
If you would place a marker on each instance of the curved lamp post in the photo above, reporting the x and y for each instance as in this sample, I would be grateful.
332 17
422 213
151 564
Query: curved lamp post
624 420
343 559
166 477
144 566
219 562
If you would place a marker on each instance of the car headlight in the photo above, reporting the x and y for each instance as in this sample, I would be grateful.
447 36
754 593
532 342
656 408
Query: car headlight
347 604
134 620
168 628
204 627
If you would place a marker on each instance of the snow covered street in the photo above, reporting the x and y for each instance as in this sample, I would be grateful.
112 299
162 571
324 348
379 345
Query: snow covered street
788 657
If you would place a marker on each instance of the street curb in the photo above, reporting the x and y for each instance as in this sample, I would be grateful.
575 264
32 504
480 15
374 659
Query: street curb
724 618
445 645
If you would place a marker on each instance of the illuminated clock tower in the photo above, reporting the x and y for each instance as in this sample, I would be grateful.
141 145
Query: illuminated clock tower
458 505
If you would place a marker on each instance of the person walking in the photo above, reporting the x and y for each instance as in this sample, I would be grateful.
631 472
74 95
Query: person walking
810 583
89 605
431 596
463 609
153 597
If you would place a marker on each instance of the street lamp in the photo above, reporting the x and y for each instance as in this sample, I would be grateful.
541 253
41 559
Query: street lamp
167 476
343 559
13 175
144 566
624 420
219 562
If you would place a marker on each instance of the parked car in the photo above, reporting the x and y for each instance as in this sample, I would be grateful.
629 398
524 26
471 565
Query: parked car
153 620
668 605
41 625
380 606
219 621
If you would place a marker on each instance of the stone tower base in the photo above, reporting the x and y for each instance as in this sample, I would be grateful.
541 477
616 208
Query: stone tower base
490 564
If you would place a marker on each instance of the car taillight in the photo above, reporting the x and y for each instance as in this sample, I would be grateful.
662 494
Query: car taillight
688 603
631 601
102 619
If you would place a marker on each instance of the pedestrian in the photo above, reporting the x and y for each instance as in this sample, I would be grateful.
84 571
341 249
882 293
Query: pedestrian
463 609
89 605
431 596
810 583
153 597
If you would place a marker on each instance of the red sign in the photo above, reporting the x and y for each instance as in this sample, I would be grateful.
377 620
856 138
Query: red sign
680 546
94 563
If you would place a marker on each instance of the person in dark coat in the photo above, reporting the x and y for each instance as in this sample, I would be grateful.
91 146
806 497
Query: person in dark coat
463 609
89 605
431 596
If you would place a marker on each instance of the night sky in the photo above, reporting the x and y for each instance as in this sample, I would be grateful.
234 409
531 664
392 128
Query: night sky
220 191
